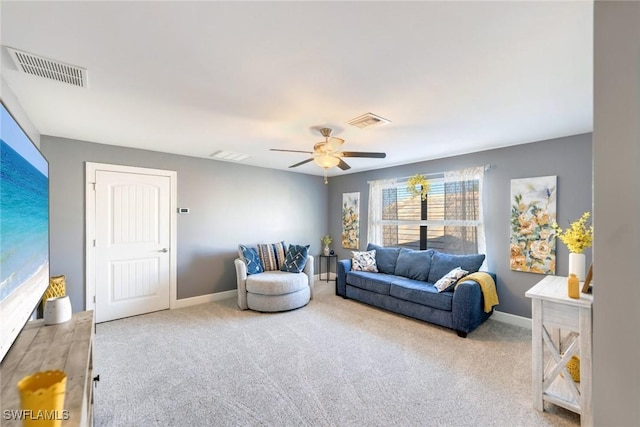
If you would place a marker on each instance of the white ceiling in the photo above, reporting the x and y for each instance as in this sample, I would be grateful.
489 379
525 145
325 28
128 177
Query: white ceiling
195 77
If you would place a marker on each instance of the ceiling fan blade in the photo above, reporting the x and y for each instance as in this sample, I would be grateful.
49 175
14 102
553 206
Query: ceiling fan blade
343 165
291 151
363 154
301 163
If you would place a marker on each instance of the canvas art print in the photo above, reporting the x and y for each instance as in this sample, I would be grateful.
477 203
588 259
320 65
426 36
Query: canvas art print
533 211
351 220
24 228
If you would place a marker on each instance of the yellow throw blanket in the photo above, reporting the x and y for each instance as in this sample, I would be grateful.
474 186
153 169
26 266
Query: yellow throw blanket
488 287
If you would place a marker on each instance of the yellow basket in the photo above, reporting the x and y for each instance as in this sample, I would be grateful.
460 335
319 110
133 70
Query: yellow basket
57 288
573 366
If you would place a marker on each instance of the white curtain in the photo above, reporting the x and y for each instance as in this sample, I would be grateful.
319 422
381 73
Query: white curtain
374 225
471 174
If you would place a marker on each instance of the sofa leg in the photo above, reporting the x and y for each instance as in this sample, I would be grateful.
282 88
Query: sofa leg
462 334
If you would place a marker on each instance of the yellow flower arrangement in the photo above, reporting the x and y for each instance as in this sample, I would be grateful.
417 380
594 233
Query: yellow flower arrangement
578 236
418 185
326 240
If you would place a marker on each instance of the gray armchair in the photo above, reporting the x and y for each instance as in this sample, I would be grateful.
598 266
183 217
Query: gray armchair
272 291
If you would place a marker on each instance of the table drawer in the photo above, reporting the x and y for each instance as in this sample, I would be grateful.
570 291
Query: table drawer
559 315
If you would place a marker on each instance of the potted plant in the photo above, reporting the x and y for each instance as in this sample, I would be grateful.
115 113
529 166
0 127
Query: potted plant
326 241
578 237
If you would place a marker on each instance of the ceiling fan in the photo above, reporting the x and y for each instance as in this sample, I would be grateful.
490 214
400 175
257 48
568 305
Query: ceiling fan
327 154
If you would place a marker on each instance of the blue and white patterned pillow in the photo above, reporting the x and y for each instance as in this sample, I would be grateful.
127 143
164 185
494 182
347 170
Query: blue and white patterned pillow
272 255
296 258
450 279
364 261
251 259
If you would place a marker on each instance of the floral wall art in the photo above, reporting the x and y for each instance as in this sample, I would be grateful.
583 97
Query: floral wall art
533 213
351 220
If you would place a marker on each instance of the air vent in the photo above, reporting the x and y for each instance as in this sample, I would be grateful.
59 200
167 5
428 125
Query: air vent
368 120
229 156
48 68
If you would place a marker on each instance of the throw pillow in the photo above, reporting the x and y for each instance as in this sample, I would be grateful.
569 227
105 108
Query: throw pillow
442 263
272 255
386 258
251 259
296 258
449 280
364 261
414 264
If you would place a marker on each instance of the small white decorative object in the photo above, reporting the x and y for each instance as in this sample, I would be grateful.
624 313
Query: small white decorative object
326 241
57 310
576 265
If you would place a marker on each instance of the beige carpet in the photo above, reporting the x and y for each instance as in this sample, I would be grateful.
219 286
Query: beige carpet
334 362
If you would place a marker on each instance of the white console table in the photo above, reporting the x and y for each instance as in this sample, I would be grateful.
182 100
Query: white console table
561 329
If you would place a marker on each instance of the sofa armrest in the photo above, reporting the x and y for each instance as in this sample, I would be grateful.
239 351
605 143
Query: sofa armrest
241 281
343 266
309 271
468 306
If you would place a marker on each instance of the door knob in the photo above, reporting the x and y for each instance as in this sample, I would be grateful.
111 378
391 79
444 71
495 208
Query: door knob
164 250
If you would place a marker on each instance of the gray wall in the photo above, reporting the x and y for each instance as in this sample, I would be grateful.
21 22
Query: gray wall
230 204
616 152
569 158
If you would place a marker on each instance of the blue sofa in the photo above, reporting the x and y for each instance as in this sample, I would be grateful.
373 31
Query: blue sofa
404 285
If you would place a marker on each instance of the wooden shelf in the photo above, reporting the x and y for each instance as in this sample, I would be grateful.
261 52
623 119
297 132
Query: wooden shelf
68 347
561 327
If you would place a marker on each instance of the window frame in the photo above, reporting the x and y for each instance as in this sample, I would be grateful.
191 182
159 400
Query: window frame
439 183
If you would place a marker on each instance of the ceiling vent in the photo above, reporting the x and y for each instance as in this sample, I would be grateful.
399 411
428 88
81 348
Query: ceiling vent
229 156
368 120
48 68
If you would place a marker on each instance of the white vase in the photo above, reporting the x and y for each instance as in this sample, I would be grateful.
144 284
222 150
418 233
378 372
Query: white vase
57 310
327 251
576 265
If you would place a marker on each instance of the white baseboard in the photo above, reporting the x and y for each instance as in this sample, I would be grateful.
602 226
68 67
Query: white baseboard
186 302
511 319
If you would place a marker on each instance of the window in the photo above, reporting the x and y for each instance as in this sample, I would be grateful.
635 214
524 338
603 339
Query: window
449 220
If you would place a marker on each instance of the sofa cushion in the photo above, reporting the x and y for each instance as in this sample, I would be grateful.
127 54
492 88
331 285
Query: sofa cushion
447 282
276 283
296 258
364 261
272 255
414 264
374 282
386 258
442 263
251 259
420 293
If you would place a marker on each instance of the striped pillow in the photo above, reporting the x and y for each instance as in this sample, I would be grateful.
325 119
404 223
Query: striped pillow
272 255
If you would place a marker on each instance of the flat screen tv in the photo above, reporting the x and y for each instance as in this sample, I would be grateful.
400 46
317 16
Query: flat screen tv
24 229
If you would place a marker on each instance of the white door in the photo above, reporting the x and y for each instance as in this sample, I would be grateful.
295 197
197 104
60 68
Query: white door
132 244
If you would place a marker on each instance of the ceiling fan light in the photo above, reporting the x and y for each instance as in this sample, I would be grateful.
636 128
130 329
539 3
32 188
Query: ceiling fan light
326 161
335 143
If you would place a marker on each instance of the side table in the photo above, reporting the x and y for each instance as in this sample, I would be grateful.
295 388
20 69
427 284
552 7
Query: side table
561 329
327 259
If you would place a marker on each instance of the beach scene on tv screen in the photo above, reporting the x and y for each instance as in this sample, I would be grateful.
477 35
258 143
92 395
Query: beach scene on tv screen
24 207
